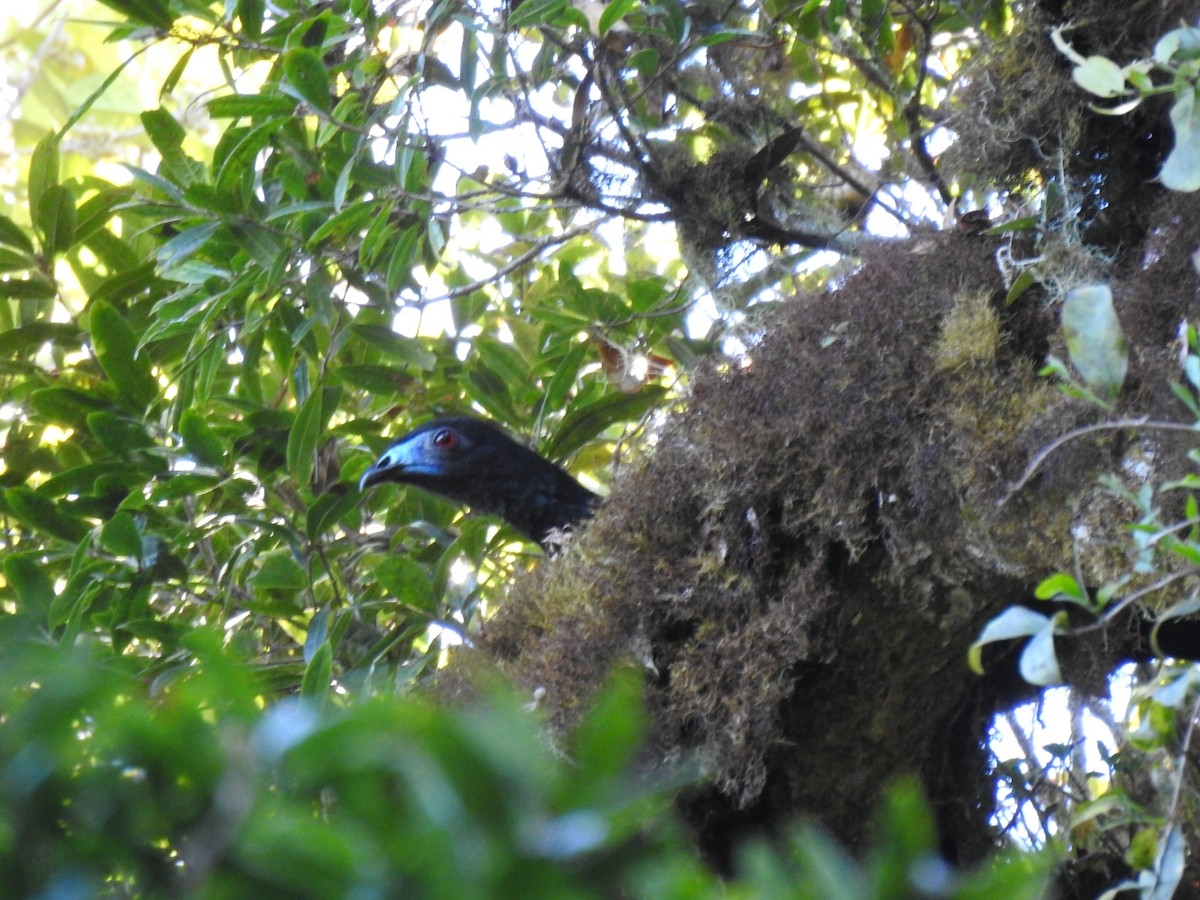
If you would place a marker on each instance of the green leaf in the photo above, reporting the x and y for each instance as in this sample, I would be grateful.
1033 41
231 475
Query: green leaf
43 172
235 153
613 13
565 375
184 245
328 510
65 406
400 263
318 633
307 76
400 348
532 13
150 12
172 80
645 61
377 236
14 236
343 223
1095 341
278 570
607 739
1061 586
1014 622
37 512
26 340
27 573
36 287
115 343
238 106
95 212
303 437
382 380
164 131
120 435
1181 171
1020 285
251 14
1101 76
583 424
675 21
318 673
199 439
56 218
120 535
407 581
1024 223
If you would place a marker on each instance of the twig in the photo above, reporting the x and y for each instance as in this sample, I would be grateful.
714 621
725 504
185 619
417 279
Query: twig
1045 452
514 264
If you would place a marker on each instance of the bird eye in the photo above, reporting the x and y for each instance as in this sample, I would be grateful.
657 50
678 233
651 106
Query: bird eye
445 439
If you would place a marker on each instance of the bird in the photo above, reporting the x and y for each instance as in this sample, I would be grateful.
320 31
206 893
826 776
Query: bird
471 461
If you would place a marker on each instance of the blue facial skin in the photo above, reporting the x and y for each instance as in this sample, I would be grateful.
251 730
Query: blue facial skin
408 457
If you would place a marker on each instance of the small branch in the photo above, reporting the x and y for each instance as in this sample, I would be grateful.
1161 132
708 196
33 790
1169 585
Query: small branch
1049 449
1117 608
513 264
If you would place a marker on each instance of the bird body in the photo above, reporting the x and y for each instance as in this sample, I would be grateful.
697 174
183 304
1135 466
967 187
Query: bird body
473 462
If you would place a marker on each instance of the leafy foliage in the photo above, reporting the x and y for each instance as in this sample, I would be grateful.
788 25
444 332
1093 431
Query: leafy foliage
1177 56
344 218
192 791
1163 557
202 357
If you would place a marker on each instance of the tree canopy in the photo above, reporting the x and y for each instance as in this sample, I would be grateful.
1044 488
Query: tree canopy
246 244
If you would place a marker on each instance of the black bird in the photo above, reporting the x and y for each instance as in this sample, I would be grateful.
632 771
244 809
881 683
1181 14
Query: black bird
474 462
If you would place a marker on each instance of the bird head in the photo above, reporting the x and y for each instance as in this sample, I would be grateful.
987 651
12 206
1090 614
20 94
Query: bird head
474 462
437 455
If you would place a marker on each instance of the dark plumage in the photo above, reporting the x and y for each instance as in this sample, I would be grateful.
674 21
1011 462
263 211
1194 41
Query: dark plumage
474 462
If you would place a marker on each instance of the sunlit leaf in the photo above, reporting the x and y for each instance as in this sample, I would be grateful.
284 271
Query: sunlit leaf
14 236
251 14
1181 170
1039 662
1094 338
115 343
278 570
236 106
43 171
307 76
41 514
303 437
1014 622
200 440
56 219
536 12
583 424
614 11
121 536
34 588
151 12
184 245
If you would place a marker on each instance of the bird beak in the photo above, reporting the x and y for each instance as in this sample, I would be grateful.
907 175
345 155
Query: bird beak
378 471
395 462
369 477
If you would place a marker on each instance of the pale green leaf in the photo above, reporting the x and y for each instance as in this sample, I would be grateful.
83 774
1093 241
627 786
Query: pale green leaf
1095 341
1181 171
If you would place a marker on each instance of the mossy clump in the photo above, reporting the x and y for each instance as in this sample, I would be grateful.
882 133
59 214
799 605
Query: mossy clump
888 416
801 561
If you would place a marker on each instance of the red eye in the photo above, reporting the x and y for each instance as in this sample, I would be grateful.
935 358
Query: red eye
445 439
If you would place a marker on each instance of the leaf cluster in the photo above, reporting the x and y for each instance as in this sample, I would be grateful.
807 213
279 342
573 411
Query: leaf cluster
192 791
